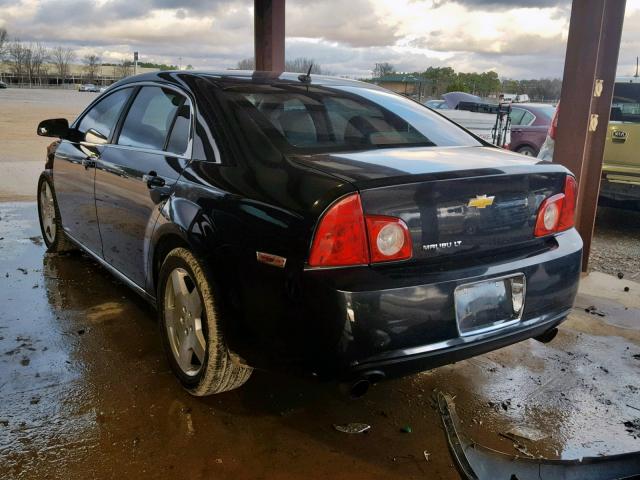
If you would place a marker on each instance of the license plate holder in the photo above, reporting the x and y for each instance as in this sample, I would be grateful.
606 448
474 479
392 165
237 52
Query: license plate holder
489 304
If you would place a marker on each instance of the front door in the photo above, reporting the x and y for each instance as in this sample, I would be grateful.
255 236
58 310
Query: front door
74 169
135 175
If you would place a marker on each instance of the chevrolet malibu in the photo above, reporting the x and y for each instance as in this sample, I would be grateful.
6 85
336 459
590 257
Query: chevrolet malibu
309 224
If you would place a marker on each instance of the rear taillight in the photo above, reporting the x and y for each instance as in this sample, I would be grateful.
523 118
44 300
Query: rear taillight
568 214
557 213
341 237
345 236
389 238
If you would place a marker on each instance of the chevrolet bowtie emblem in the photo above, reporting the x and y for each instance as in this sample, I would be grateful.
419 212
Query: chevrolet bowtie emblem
481 201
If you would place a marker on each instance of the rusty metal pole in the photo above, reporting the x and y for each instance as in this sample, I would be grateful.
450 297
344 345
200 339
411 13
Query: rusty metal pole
587 89
268 34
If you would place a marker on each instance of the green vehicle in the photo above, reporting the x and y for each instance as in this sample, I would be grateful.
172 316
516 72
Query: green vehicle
621 168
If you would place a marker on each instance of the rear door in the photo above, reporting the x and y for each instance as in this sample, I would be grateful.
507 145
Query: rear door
74 169
523 132
134 177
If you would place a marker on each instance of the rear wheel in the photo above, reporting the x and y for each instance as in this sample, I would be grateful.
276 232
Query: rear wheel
191 327
527 151
49 216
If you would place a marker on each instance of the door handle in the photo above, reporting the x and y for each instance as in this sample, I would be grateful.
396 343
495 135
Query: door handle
88 163
153 180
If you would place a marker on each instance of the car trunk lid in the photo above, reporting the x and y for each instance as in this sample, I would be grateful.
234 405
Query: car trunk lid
455 200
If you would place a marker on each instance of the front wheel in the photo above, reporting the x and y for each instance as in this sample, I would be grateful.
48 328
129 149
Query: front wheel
49 216
191 327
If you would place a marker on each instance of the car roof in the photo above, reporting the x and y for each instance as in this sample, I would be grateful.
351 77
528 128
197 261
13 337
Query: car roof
259 77
532 105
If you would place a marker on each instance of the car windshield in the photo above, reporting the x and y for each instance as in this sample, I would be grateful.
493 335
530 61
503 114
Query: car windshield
626 102
316 119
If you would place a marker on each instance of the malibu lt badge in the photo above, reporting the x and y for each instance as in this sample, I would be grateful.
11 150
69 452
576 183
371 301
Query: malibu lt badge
441 245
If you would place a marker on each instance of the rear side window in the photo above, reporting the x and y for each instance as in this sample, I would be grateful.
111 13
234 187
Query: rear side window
151 118
179 136
527 118
104 115
626 102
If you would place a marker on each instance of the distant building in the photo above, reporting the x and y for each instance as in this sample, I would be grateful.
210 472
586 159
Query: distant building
77 75
407 84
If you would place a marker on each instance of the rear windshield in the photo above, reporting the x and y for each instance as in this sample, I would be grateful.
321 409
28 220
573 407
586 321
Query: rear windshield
316 119
626 102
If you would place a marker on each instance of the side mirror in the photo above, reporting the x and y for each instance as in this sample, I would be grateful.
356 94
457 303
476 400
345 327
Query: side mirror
55 127
94 137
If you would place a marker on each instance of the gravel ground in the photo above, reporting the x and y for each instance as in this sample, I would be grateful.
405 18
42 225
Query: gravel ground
616 243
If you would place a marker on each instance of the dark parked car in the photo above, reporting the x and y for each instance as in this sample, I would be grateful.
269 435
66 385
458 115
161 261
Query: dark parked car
309 224
529 125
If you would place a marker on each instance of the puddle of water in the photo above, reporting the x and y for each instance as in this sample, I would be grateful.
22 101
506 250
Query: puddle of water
85 392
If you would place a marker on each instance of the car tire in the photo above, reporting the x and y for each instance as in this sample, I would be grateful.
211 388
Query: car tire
190 320
527 151
49 216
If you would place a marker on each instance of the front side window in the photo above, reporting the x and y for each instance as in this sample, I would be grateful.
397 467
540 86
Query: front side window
103 116
315 119
153 114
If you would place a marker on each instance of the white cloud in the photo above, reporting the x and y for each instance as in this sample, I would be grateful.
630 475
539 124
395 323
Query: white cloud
518 38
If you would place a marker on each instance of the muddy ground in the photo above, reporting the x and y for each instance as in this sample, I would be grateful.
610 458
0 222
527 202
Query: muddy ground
86 393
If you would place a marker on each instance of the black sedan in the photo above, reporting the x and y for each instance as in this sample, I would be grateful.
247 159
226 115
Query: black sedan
309 224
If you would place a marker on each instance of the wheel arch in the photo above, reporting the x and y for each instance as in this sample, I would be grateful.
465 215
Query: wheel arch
528 145
181 223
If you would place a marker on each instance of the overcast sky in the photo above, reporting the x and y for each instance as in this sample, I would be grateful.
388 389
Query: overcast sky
516 38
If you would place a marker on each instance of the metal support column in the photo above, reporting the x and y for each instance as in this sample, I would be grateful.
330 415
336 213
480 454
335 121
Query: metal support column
587 89
268 33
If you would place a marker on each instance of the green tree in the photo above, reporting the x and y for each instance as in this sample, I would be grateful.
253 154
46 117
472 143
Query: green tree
457 86
441 78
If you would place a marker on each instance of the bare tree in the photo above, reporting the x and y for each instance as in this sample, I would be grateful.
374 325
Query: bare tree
62 57
92 64
17 59
302 64
124 68
297 65
36 62
246 64
3 42
382 69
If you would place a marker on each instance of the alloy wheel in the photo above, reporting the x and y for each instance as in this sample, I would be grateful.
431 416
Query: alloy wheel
183 321
47 212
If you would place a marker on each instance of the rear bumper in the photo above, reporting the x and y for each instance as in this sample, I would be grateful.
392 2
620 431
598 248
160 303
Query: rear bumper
413 360
398 320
